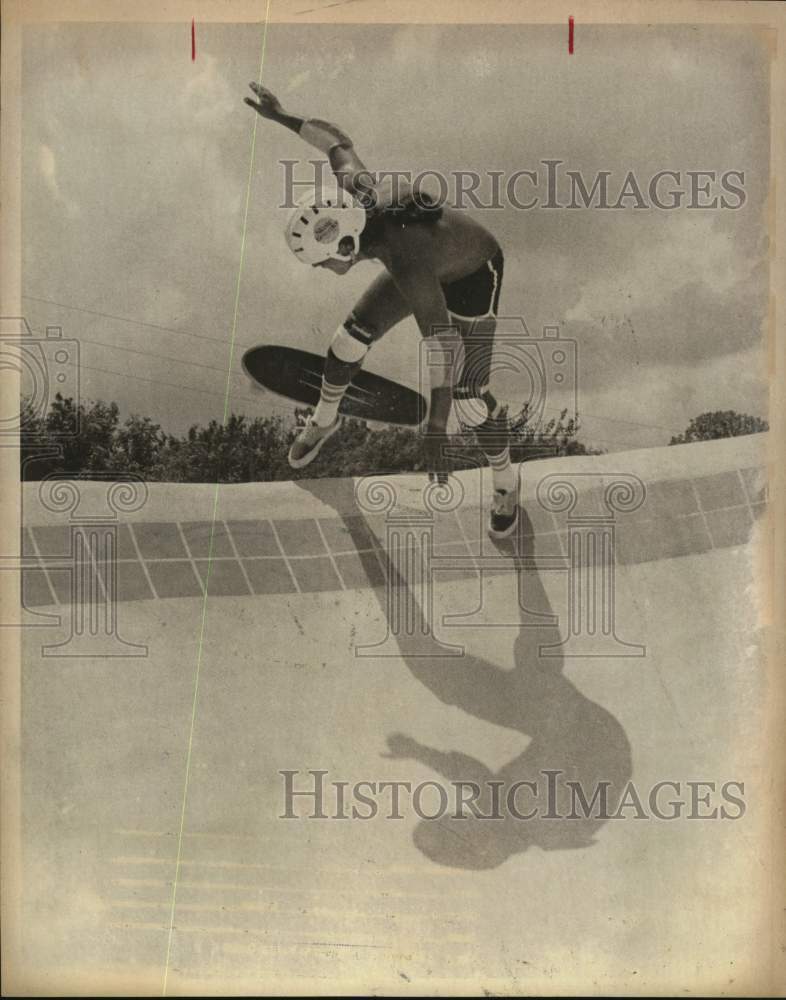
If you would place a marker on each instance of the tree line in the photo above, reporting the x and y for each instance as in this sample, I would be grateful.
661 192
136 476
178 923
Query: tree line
246 450
255 450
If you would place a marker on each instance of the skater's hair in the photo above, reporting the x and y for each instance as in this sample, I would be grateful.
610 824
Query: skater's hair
411 209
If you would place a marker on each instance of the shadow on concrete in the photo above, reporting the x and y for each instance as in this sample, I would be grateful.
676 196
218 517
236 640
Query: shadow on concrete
568 732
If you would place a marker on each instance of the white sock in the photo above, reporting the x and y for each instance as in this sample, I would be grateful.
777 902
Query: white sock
502 471
329 401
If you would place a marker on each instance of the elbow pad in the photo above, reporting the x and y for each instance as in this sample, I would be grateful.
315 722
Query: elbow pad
322 135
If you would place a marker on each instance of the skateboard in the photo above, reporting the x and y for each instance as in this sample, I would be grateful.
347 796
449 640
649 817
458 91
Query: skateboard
297 375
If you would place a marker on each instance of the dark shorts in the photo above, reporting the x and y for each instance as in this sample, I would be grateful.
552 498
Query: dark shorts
477 294
476 297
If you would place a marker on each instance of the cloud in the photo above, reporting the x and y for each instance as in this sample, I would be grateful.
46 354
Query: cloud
416 44
48 167
208 96
297 80
667 307
622 413
680 252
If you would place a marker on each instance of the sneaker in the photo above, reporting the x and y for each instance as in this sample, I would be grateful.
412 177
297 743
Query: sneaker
504 514
306 445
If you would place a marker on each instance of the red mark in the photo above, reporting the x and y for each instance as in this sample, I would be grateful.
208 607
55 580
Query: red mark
193 40
570 35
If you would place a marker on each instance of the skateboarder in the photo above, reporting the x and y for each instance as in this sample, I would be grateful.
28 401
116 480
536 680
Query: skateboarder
441 266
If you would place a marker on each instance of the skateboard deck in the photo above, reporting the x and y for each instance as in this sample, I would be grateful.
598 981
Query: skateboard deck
297 375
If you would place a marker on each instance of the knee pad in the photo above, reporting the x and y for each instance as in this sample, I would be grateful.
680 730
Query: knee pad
350 342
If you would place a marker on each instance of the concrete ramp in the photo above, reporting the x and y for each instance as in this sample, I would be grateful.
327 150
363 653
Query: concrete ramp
255 720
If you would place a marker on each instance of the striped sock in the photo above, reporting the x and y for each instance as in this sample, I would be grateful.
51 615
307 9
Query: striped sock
502 471
329 402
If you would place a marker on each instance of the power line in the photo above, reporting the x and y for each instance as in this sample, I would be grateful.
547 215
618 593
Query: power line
150 354
631 423
167 385
135 322
174 385
580 415
215 340
276 408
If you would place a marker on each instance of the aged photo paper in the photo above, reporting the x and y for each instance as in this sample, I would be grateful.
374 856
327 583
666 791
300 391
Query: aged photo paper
392 439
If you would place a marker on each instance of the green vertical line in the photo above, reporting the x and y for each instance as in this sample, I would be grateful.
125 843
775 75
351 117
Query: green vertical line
200 646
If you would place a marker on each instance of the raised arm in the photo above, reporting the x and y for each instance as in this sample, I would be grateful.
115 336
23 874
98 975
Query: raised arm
349 169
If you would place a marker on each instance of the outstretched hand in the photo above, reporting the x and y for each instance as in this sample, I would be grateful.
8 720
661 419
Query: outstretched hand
267 104
401 747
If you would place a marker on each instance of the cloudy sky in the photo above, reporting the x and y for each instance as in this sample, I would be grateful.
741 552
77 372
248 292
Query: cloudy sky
136 165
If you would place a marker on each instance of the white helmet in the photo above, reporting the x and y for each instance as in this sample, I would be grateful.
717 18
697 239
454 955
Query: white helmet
320 221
